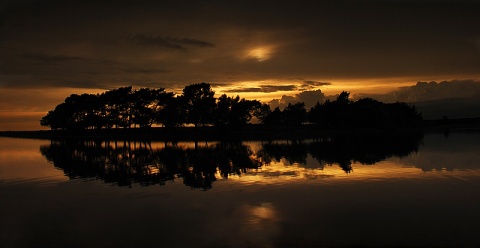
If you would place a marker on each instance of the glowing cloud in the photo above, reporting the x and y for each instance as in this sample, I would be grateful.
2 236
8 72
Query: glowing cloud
260 53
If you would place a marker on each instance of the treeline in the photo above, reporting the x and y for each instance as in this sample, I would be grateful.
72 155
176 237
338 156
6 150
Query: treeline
128 108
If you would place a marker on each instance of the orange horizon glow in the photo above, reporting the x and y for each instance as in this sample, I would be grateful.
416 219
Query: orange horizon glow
376 86
29 105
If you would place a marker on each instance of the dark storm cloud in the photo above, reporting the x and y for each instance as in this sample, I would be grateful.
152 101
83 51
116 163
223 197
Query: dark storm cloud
167 42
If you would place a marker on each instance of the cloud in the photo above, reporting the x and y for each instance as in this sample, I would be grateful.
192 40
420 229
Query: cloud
145 71
50 58
43 58
167 42
310 98
264 89
309 83
153 32
453 99
429 91
118 43
193 42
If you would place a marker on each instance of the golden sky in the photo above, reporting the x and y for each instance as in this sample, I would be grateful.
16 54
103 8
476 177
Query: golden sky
256 49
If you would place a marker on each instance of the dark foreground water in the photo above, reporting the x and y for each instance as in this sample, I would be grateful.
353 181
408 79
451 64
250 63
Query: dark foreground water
401 190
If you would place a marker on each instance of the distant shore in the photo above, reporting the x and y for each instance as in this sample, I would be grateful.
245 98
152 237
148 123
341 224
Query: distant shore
250 132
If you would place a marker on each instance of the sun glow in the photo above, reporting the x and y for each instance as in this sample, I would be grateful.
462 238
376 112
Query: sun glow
260 53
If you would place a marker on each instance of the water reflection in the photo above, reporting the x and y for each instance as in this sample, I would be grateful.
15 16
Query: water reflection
442 152
282 193
345 150
127 162
199 165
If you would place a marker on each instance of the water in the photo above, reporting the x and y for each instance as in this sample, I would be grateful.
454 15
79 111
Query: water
400 190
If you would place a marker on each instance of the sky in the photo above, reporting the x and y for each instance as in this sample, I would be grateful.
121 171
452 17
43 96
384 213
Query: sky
273 51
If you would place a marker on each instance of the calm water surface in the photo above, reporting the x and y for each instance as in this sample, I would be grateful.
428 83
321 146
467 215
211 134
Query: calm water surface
402 191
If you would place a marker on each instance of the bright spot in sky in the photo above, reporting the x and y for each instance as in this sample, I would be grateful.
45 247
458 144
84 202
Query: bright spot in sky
259 53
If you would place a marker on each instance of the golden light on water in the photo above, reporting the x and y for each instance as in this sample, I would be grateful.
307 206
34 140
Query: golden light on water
20 161
29 164
264 211
281 172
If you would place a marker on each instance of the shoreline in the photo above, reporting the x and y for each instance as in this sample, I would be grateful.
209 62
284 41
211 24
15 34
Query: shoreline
249 132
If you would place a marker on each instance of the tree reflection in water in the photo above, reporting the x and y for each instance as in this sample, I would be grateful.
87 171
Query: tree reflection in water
124 163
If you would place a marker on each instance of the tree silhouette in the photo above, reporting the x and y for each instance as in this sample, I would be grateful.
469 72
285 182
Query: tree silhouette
342 99
315 114
262 113
295 114
147 103
222 111
403 115
142 113
363 113
292 116
59 118
367 112
199 103
128 108
274 118
172 114
117 107
336 113
235 111
76 112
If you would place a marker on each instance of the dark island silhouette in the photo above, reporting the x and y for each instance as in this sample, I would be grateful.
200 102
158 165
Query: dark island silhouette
125 108
197 114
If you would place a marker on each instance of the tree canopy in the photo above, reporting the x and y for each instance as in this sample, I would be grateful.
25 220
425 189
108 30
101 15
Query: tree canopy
128 108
